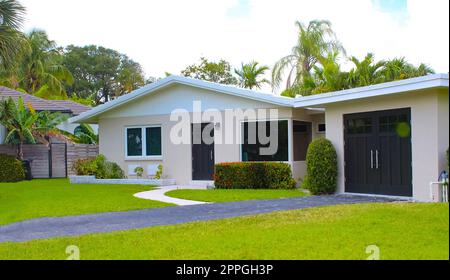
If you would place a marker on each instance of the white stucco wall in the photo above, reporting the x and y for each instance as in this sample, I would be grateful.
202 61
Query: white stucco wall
429 121
155 110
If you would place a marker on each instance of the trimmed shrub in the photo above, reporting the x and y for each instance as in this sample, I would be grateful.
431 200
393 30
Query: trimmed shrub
322 170
11 169
254 175
98 167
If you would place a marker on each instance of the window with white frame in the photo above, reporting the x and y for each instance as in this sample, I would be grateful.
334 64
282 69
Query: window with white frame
143 141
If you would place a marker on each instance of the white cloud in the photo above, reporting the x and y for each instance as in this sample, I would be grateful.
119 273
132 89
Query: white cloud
168 35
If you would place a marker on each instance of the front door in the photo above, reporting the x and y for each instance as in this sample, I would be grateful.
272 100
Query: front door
203 152
378 153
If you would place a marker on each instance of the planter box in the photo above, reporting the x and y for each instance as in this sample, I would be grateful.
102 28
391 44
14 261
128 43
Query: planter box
77 180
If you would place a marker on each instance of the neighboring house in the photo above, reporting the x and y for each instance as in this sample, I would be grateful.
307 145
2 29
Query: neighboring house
67 107
376 155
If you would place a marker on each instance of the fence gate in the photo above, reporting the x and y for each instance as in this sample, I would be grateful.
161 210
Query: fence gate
57 155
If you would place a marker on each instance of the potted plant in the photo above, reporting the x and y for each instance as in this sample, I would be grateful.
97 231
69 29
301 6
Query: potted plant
139 171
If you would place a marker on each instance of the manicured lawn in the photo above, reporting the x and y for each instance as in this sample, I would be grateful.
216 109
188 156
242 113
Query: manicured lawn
51 198
233 195
401 231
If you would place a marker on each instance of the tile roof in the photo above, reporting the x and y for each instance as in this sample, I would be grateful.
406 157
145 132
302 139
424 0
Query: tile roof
40 104
76 108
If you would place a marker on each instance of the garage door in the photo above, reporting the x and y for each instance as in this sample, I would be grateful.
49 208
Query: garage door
378 153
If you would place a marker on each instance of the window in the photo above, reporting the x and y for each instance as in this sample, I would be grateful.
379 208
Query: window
321 128
359 126
252 151
144 141
302 138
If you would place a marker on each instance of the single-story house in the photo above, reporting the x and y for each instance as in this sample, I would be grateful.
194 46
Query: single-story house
391 138
66 107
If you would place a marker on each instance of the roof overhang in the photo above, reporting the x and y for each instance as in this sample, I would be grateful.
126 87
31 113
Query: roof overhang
92 114
396 87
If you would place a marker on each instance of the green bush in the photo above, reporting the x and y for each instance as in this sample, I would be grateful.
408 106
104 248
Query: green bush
98 167
254 175
11 169
322 170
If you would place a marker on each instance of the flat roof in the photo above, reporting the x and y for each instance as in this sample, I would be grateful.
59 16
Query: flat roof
401 86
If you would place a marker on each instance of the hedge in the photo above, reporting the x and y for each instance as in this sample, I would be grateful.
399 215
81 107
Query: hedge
98 167
11 169
254 175
322 170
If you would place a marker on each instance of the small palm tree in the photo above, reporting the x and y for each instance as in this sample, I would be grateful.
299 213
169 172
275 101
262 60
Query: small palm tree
366 72
12 42
25 125
400 68
315 41
251 75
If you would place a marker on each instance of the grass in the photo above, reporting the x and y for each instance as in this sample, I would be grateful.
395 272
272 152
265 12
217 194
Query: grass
52 198
401 231
233 195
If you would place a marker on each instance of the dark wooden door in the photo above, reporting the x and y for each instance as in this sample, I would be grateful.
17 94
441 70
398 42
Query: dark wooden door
203 152
378 153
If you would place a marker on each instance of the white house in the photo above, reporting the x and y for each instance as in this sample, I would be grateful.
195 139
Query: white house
390 138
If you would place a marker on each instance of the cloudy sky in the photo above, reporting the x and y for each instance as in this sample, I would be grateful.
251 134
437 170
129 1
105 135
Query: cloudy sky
167 35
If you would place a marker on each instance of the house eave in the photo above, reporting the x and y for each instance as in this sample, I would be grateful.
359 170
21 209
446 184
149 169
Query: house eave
396 87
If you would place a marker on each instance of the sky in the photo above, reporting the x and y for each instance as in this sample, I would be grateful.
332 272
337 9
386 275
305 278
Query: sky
168 35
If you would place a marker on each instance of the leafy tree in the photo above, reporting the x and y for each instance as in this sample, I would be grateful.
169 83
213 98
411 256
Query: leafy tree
315 41
84 134
39 71
328 76
400 68
100 73
217 72
251 75
12 42
25 125
366 72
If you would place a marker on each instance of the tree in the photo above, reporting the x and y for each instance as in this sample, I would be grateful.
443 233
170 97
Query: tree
327 75
84 134
216 72
400 68
100 73
366 72
26 126
251 75
39 70
12 42
315 41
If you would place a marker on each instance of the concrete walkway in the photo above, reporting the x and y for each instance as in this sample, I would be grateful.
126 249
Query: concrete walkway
107 222
159 195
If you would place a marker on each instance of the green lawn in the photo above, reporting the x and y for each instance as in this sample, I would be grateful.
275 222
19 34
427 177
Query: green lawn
233 195
51 198
401 231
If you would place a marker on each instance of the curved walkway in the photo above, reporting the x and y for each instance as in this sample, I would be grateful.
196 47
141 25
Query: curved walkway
159 194
107 222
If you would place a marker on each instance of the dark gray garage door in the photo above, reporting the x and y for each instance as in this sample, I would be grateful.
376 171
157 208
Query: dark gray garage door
378 153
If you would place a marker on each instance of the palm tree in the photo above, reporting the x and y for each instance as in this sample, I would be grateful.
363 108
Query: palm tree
40 71
400 68
328 76
26 126
249 75
11 40
314 42
366 72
